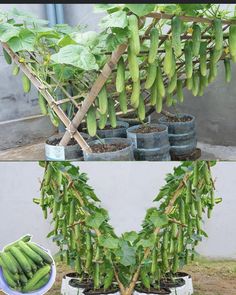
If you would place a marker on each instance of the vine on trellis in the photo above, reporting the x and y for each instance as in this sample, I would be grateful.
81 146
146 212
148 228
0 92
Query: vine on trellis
143 57
171 230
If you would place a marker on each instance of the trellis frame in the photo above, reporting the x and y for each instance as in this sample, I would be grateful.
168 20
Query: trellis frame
108 69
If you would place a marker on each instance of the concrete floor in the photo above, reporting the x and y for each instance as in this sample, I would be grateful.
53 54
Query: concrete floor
35 152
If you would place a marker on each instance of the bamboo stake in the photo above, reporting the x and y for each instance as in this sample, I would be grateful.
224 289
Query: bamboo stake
96 88
41 88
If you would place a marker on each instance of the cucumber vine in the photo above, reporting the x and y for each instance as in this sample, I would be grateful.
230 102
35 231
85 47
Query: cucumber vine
171 229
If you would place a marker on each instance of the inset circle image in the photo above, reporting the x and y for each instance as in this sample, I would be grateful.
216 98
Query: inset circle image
26 268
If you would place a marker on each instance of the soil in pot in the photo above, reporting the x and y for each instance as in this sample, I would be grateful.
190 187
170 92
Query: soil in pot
110 149
172 283
104 148
147 129
111 290
152 290
179 119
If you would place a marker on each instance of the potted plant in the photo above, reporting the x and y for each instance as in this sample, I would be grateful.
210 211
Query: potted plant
148 261
150 142
181 132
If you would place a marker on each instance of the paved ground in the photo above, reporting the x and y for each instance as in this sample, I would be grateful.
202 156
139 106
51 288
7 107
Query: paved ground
36 152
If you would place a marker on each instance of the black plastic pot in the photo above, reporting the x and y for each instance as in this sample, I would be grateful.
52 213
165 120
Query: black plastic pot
125 154
120 131
152 146
182 135
60 153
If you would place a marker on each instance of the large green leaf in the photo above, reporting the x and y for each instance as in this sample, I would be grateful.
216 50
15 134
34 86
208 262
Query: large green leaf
7 31
158 219
126 254
77 56
87 39
141 9
108 242
115 20
95 220
25 41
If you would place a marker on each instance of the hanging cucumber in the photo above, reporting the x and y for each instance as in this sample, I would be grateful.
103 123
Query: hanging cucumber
145 278
213 69
91 121
15 70
26 83
151 75
134 34
196 37
227 70
232 41
176 27
196 80
173 68
175 264
7 57
154 261
159 102
112 112
169 100
218 32
182 211
134 99
180 93
195 175
168 57
102 121
120 76
189 83
133 66
141 109
216 55
188 60
42 104
102 100
159 82
123 102
203 58
172 84
153 97
154 42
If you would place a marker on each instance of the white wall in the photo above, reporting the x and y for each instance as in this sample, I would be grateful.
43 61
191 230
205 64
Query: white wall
126 190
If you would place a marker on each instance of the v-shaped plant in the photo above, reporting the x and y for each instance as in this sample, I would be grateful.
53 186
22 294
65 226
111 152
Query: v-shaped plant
171 229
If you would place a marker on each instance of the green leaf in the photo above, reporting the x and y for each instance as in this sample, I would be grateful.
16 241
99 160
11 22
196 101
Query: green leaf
147 243
77 56
158 219
126 254
108 242
141 9
66 40
130 236
25 41
87 39
95 220
8 31
115 20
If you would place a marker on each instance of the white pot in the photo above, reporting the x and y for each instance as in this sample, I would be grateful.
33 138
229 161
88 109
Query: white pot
74 290
139 293
188 282
179 290
65 283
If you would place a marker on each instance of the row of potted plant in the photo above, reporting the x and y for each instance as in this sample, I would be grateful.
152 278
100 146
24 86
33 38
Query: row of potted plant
175 135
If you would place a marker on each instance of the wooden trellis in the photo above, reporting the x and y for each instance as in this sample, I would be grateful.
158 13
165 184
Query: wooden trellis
83 99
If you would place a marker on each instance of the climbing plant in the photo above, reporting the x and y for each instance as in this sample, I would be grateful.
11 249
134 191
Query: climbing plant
171 229
143 56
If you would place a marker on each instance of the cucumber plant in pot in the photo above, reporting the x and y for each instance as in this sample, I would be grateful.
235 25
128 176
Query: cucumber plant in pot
147 261
147 73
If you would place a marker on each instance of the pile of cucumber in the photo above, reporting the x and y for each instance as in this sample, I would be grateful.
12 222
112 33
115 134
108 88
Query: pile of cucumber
25 266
